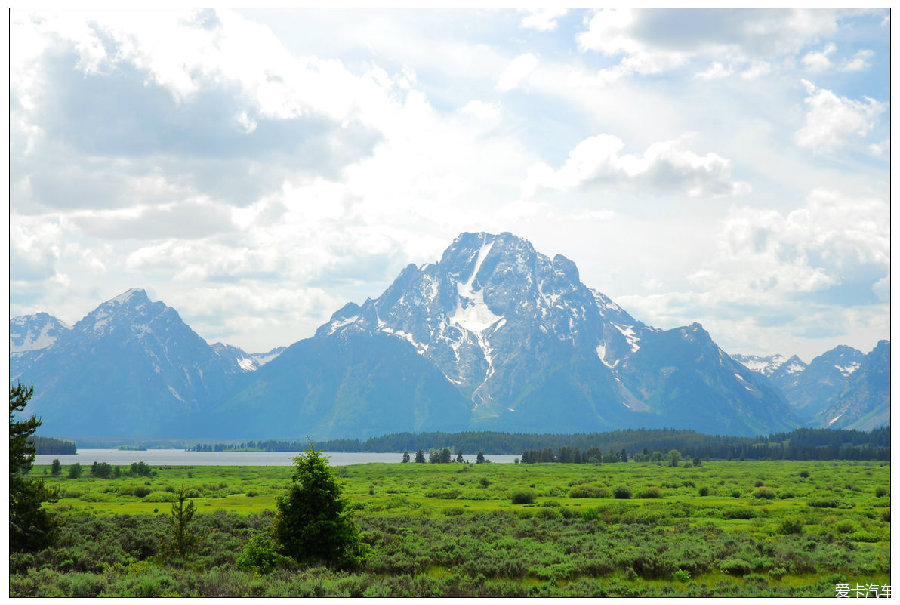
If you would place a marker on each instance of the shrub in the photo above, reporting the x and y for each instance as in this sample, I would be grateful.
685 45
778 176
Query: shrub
523 498
845 526
622 493
651 492
735 493
764 492
790 525
735 566
824 503
588 491
683 576
778 572
886 515
704 491
880 492
738 513
260 555
804 474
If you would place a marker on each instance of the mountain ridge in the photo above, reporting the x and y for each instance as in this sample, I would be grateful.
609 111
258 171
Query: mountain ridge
492 336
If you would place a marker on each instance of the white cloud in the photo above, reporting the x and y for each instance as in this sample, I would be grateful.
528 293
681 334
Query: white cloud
665 166
859 61
819 61
832 122
658 41
716 71
542 19
831 240
516 72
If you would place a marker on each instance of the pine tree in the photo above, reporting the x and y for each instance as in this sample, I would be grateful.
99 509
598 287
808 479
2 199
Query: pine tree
184 538
313 522
30 526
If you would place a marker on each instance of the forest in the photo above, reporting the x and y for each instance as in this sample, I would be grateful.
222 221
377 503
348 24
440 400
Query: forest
800 444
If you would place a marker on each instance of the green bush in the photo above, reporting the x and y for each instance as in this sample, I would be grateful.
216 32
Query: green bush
650 492
764 492
825 503
622 493
880 492
260 555
588 491
735 566
790 525
523 498
738 513
704 491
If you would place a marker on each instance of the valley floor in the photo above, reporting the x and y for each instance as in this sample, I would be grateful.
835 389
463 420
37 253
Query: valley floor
627 529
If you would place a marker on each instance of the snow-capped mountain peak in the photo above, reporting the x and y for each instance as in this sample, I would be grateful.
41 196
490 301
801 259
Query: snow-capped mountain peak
34 332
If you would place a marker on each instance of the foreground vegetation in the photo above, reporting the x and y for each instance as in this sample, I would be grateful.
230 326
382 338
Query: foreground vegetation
747 528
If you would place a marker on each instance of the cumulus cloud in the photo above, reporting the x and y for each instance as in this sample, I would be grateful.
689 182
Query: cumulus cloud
859 61
832 121
665 166
542 19
656 41
819 61
716 71
516 72
825 247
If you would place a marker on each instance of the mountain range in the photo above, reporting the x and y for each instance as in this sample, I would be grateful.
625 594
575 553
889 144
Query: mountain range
493 336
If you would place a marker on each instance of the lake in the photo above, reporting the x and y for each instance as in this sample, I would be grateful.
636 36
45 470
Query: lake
176 457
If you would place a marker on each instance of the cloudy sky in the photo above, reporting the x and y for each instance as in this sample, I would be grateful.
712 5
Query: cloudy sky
258 169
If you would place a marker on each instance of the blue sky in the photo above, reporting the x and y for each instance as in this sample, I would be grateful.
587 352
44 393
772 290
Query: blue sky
258 169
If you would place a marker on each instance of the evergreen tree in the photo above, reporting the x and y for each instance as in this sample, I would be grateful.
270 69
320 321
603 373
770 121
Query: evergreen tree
30 526
313 522
420 457
405 458
459 456
479 459
184 538
56 467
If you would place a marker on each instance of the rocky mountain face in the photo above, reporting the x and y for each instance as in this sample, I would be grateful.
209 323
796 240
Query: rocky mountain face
130 367
865 401
29 336
531 348
494 336
810 390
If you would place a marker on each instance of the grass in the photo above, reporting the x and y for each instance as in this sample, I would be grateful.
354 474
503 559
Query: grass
453 529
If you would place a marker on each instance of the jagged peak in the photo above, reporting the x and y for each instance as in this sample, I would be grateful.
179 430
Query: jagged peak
131 296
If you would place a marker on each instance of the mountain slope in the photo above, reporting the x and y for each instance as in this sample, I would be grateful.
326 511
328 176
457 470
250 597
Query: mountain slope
351 384
530 346
29 337
130 367
865 401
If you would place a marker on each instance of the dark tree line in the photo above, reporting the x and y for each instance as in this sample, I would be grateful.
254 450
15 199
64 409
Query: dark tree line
799 444
52 445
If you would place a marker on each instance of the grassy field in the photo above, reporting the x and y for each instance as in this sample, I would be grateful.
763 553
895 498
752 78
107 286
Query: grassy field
632 529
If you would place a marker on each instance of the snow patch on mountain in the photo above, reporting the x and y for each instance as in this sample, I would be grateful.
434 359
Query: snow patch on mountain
630 336
472 313
847 369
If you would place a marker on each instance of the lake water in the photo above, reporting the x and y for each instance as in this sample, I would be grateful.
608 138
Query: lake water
175 457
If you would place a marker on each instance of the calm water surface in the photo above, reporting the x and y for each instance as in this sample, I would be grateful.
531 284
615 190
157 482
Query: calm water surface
174 457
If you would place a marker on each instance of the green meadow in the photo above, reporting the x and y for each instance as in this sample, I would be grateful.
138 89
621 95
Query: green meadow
749 528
